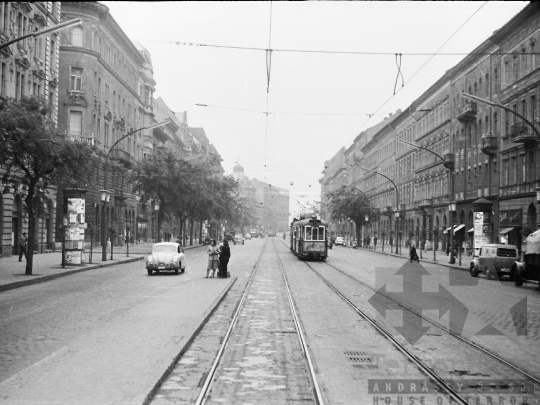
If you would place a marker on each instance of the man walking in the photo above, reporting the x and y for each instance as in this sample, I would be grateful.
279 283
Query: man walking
23 246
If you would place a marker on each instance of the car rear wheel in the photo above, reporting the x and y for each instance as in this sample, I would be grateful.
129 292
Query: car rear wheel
183 270
518 280
176 271
473 271
149 271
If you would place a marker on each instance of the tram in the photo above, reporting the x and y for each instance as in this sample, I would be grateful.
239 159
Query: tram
308 238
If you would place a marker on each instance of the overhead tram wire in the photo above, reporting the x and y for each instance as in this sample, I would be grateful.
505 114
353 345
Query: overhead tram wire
421 67
268 67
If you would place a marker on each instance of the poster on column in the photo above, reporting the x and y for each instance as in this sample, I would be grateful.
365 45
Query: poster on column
480 236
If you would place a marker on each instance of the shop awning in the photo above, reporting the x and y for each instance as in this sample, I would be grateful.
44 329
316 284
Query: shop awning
446 230
505 230
471 230
458 228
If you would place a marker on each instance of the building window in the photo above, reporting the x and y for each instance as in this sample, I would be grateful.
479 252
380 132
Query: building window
106 135
533 109
75 123
3 78
52 60
76 79
77 35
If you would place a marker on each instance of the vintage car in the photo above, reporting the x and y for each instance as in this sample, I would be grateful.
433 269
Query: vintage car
340 241
494 260
529 269
238 239
247 236
166 256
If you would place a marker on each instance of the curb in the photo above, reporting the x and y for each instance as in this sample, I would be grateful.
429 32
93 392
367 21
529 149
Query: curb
422 260
24 283
188 343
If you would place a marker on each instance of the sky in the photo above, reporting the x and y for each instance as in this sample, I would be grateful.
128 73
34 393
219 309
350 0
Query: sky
282 117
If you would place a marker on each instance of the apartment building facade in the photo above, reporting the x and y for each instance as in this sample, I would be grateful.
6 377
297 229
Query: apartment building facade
28 67
469 149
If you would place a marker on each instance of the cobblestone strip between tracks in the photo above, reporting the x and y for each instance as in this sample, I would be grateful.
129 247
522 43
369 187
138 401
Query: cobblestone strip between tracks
262 362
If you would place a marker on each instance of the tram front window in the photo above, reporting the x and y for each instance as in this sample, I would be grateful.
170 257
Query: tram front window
318 233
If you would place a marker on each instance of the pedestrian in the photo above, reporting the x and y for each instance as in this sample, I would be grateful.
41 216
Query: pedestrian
375 243
413 255
109 245
224 256
23 247
213 259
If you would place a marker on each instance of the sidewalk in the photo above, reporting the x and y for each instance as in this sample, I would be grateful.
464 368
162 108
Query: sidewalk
48 266
442 258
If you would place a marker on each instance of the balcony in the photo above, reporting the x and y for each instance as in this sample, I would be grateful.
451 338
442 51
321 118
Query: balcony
467 112
122 156
489 144
82 139
387 210
425 203
522 133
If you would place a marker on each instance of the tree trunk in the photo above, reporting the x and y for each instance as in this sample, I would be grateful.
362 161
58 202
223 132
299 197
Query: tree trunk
181 230
191 231
200 233
31 231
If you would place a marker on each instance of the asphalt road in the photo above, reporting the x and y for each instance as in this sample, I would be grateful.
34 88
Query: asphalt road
108 335
492 313
104 336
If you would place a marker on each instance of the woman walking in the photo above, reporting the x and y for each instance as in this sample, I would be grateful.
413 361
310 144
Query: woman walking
413 255
213 259
224 256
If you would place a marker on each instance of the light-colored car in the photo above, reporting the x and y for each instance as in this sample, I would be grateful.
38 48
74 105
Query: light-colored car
238 239
494 260
340 241
166 256
247 236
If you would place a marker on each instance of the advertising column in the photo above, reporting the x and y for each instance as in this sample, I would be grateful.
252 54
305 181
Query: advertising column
483 225
75 231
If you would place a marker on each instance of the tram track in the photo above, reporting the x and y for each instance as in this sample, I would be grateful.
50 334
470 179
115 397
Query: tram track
442 327
224 360
441 383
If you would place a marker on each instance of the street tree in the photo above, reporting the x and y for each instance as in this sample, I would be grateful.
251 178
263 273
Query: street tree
158 177
346 203
34 158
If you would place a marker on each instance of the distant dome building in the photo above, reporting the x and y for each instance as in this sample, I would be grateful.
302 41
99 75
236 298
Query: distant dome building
238 172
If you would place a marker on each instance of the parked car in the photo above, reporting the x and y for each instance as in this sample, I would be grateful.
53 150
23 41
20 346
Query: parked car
494 260
529 269
166 256
271 234
340 241
247 236
238 239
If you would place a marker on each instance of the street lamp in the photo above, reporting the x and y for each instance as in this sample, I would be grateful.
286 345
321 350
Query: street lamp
48 30
452 209
395 187
491 103
156 209
448 163
104 196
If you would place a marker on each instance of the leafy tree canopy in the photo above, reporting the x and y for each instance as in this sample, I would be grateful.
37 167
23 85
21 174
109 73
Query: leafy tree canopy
34 157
